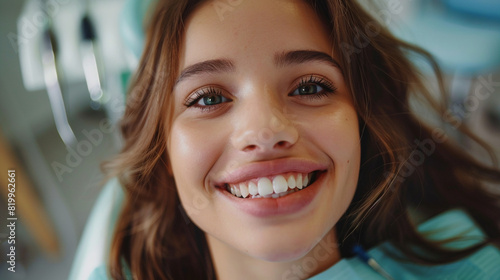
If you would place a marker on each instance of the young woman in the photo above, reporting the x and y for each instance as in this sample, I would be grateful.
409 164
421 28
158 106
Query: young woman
268 139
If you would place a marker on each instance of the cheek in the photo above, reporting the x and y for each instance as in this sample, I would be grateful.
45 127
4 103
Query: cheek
338 138
193 150
345 149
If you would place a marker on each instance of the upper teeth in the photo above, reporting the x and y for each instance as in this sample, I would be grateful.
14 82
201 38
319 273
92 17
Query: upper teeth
278 186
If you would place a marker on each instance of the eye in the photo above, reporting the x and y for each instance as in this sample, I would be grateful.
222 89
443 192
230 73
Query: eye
313 87
206 97
307 89
211 100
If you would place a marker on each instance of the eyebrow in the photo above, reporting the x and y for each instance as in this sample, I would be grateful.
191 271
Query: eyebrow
284 59
281 60
209 66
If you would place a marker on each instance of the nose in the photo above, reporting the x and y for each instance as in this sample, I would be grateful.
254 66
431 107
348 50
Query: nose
264 128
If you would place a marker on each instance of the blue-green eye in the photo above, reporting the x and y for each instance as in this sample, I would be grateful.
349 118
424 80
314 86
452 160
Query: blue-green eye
211 100
307 89
206 97
313 87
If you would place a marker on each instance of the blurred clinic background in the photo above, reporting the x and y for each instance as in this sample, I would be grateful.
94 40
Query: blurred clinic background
64 70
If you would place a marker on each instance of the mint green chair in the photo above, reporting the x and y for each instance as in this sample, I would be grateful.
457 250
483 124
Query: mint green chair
95 241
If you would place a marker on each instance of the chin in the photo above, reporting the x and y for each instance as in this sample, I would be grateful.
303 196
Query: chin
282 249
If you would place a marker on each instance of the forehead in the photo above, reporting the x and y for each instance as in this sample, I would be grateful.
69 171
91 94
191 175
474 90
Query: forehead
251 29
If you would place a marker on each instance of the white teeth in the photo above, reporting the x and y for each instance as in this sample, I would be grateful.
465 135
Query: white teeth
252 188
305 179
237 191
279 184
299 182
291 182
243 190
265 186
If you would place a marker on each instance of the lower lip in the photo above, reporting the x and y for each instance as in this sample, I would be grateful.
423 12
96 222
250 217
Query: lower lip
267 207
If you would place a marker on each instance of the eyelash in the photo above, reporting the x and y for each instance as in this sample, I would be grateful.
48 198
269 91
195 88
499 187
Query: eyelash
199 94
328 88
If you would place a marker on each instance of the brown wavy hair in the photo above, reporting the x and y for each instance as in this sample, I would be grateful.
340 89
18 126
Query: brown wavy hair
154 239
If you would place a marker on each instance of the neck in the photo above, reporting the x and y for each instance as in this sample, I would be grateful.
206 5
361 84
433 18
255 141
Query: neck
230 263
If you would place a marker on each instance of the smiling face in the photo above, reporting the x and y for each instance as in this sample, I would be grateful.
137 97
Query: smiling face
262 111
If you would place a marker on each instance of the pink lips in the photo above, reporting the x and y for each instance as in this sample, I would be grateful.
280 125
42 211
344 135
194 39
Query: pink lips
269 207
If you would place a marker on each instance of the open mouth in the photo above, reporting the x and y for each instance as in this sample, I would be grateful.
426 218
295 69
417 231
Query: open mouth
274 186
